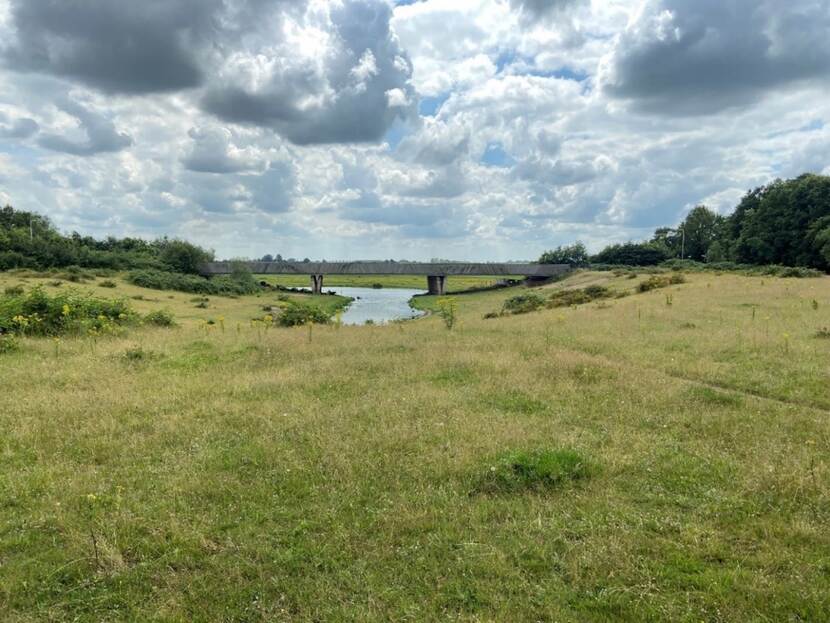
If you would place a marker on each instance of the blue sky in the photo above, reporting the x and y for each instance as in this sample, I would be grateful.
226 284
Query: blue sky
346 129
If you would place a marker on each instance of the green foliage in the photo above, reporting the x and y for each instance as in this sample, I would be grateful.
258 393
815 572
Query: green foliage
447 309
183 257
823 333
240 284
632 254
523 303
160 318
295 314
574 255
567 298
107 283
29 240
14 291
8 344
535 470
39 314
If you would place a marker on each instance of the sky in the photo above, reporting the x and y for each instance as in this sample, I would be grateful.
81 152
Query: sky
357 129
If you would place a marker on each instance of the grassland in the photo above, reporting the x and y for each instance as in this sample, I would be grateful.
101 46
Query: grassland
367 473
415 282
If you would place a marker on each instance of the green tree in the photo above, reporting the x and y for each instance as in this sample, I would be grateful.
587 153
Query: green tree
698 231
574 255
632 254
183 257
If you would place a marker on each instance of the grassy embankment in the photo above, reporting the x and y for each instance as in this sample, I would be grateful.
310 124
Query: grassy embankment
388 473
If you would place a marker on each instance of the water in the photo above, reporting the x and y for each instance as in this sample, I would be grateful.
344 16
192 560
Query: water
379 306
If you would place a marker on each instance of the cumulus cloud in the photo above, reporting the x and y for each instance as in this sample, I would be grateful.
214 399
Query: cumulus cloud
349 87
212 151
703 56
101 135
118 47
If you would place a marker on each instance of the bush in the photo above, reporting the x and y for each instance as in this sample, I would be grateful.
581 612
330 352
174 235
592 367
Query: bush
296 314
523 304
656 282
224 285
39 314
13 291
160 318
823 333
107 284
535 470
567 298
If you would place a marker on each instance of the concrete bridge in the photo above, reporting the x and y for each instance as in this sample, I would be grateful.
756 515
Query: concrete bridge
436 274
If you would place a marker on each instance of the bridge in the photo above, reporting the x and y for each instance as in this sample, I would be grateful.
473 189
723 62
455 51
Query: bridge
436 274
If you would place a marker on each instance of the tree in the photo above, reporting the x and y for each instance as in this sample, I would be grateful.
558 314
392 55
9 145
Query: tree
782 223
267 258
574 255
700 229
632 254
183 257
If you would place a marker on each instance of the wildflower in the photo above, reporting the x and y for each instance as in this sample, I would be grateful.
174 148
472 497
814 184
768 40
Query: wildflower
66 310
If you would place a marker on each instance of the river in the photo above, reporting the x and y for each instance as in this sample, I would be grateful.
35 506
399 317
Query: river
379 306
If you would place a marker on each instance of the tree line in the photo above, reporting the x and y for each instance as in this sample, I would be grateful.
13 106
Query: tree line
30 240
786 223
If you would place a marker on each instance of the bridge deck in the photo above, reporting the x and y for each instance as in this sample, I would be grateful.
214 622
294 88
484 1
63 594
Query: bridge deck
389 268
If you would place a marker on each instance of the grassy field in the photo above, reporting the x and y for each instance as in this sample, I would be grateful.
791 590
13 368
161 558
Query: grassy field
416 282
659 457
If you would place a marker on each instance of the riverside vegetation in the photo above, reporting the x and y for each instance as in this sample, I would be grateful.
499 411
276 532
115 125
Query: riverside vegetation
634 446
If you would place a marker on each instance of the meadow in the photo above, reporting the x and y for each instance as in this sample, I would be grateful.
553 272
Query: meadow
656 457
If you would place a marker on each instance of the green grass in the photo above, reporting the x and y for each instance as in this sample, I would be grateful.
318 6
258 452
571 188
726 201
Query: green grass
629 461
415 282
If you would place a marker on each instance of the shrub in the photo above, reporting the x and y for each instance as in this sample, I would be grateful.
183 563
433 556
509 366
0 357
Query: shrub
296 314
13 291
160 318
523 304
39 314
535 470
223 285
567 298
107 284
823 333
377 286
655 282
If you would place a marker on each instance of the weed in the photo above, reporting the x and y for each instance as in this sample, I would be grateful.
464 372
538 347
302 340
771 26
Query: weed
448 311
14 291
814 304
107 283
823 333
534 470
201 305
8 344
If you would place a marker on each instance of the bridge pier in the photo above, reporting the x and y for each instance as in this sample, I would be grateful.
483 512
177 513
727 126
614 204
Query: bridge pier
435 284
316 284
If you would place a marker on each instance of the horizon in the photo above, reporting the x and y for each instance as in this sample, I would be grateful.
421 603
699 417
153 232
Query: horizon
479 130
